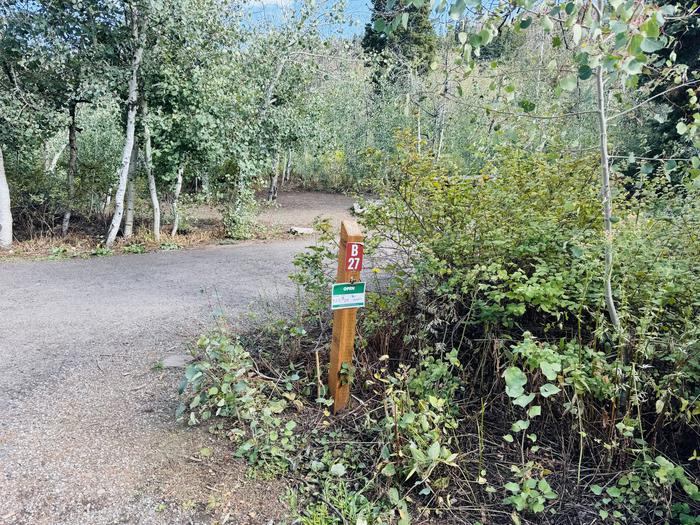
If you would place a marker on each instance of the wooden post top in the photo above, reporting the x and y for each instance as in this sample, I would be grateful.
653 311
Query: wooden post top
350 231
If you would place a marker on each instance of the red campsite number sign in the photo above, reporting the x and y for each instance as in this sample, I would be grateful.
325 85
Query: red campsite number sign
354 251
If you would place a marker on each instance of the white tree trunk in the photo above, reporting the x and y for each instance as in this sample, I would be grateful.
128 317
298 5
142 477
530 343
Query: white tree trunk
130 193
72 167
176 196
288 166
50 165
148 162
606 196
130 129
5 208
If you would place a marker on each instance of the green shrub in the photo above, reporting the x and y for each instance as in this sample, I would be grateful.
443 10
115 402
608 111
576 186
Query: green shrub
501 269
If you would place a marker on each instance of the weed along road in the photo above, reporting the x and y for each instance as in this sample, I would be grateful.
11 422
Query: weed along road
87 430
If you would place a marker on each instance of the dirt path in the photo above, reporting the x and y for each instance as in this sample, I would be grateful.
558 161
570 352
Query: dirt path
87 433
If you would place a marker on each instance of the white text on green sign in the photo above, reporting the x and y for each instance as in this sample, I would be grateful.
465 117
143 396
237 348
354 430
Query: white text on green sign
347 295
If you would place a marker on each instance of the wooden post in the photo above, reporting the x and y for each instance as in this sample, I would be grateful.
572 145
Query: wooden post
343 342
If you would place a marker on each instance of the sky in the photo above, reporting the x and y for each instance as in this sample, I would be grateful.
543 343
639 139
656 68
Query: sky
357 14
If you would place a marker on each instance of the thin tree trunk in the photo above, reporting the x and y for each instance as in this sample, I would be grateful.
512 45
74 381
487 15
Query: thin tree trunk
130 193
149 170
176 196
440 119
107 202
50 165
606 195
288 166
138 37
72 166
5 208
274 176
269 92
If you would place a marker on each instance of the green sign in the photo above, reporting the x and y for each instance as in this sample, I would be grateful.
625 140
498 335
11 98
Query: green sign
347 295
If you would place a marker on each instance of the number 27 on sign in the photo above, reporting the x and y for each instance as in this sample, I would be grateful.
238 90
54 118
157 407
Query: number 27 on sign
354 253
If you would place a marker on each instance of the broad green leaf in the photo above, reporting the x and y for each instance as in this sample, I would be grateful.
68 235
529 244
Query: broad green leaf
585 72
524 400
596 489
613 492
512 487
393 496
389 470
515 381
338 469
520 425
632 66
434 451
548 389
652 45
534 411
650 28
550 370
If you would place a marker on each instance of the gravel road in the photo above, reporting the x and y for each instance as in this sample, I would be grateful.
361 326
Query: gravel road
87 433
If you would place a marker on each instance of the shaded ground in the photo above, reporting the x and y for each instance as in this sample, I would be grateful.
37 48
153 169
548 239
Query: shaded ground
87 433
301 208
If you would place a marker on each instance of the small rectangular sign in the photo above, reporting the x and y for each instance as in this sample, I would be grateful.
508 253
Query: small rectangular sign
347 295
354 253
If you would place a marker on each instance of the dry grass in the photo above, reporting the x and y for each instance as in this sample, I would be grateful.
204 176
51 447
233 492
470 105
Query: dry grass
83 245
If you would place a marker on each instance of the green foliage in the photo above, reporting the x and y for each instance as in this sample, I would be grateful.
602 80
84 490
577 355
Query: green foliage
224 384
511 254
134 248
411 40
101 251
239 215
419 422
169 246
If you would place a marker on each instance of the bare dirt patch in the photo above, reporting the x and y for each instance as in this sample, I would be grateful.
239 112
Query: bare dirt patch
302 208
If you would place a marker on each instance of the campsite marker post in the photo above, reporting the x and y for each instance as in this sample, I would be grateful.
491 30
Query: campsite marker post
347 295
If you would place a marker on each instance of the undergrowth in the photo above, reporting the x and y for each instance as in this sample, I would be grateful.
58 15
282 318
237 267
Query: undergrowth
489 386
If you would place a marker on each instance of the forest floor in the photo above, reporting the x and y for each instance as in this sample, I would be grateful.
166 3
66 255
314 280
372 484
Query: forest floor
203 226
87 427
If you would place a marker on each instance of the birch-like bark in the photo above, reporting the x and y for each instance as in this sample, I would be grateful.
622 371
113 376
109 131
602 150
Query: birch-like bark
176 196
274 176
5 208
50 165
72 166
148 162
269 92
606 193
138 37
440 131
288 166
131 193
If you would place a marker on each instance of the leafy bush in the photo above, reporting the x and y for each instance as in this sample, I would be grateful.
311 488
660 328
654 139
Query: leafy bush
501 266
224 383
134 248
